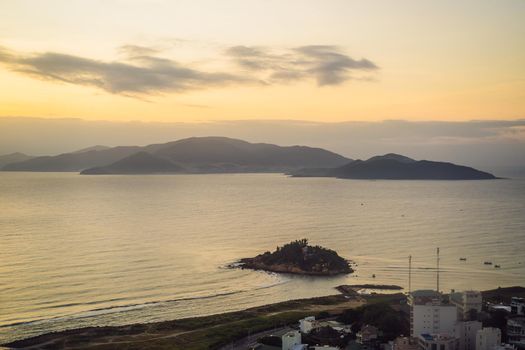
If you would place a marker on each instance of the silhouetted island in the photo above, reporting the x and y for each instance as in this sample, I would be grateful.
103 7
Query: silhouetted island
299 258
191 155
396 167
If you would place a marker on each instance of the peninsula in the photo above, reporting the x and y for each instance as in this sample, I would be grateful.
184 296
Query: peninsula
299 258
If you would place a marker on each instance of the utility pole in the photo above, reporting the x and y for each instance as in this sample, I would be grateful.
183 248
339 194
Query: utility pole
438 270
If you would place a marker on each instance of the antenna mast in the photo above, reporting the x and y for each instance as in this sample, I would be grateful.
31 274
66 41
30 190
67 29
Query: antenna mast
409 274
438 270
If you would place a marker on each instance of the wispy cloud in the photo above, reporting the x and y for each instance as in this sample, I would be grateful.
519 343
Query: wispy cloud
143 71
140 73
327 64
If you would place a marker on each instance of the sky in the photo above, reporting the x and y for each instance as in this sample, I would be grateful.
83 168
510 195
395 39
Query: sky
320 61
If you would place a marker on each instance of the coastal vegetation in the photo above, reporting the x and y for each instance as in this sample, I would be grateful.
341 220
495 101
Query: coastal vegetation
298 257
379 314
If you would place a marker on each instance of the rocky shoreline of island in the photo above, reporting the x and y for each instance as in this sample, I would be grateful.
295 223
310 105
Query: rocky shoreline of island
299 258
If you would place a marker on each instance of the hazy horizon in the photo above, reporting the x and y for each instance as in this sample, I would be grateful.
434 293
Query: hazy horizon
497 146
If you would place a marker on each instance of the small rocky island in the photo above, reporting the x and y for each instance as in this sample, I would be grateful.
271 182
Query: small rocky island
299 258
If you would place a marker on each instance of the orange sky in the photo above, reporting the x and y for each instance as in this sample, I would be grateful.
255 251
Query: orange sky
156 60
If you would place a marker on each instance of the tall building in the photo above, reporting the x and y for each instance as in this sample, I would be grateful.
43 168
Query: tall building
429 314
466 302
487 338
466 332
516 331
517 306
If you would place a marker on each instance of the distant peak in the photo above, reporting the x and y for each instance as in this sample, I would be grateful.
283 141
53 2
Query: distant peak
392 156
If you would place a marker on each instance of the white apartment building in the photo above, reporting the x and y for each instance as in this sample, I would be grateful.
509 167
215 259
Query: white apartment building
429 315
487 338
465 302
466 332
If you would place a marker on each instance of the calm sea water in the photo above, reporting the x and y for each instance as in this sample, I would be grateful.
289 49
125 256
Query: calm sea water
107 250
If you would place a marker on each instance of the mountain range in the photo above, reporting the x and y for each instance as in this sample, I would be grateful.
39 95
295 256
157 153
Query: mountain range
191 155
226 155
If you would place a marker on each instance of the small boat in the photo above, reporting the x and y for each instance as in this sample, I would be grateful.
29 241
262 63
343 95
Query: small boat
462 259
497 266
374 275
488 263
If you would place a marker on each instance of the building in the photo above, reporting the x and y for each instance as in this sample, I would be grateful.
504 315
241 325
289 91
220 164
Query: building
307 324
487 338
516 331
517 306
437 342
290 339
367 334
429 314
466 302
404 343
300 347
504 347
466 332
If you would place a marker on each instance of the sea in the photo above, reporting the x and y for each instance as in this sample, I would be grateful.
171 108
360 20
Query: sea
79 250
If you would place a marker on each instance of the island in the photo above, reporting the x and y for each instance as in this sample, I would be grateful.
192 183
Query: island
396 167
299 258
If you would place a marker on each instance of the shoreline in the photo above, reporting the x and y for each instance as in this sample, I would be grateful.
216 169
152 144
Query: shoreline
217 330
181 333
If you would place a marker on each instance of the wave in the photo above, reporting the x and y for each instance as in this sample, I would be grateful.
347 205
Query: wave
134 306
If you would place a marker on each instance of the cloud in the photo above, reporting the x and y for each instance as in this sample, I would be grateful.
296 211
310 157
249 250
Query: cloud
138 50
142 71
327 64
140 74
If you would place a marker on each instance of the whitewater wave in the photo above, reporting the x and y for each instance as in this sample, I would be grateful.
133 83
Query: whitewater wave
134 306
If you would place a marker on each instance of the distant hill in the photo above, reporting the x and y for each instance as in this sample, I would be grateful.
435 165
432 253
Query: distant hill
13 158
397 167
194 155
73 161
92 148
138 163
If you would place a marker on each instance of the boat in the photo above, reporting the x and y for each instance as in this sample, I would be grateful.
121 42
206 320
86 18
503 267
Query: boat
497 266
488 263
462 259
374 275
